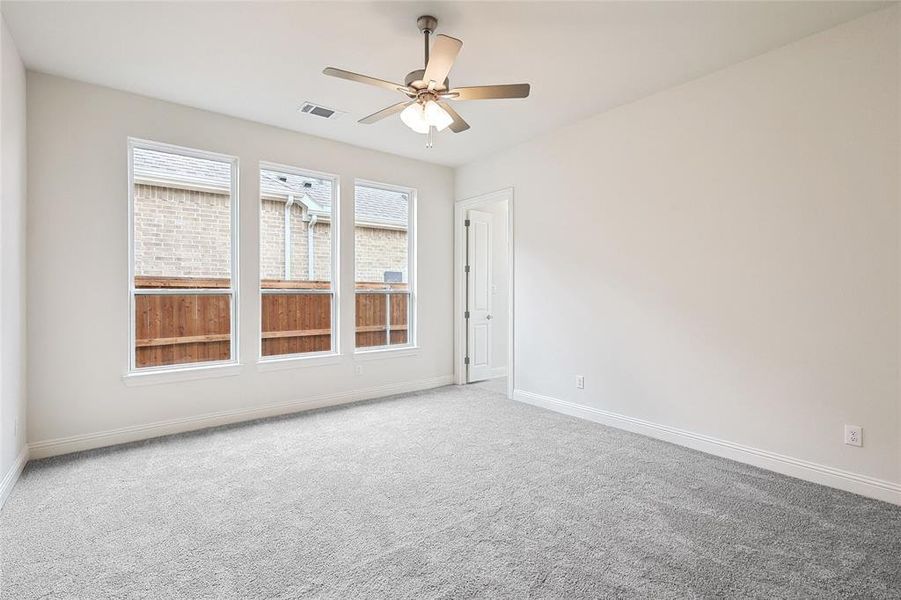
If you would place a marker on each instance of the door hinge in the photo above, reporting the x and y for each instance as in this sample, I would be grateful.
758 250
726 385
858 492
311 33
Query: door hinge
466 223
466 269
466 360
466 315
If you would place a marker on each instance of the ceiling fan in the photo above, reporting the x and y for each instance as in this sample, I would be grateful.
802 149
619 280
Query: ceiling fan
426 109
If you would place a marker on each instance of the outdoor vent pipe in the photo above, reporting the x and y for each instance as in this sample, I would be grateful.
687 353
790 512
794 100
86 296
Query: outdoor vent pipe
288 205
311 261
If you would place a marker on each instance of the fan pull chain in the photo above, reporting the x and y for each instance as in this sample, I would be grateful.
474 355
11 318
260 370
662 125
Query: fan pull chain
430 137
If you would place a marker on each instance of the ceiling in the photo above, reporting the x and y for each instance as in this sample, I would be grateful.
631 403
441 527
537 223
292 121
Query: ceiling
261 61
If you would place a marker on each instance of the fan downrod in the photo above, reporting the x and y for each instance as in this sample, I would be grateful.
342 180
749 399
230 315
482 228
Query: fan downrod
427 25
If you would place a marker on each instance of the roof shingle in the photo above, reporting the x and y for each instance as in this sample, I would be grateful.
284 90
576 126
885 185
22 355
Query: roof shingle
372 205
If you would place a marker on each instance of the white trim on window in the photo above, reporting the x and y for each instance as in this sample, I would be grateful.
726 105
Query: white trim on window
393 350
186 372
297 361
305 359
383 352
194 370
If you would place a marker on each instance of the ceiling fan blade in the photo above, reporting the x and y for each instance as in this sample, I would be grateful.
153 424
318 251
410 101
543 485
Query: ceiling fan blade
350 76
491 92
385 112
459 124
441 58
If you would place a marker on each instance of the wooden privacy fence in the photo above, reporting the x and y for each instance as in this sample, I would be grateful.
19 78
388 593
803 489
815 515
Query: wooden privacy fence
381 314
173 328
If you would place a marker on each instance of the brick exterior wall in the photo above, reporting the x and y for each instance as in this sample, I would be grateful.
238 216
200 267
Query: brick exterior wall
181 233
322 250
272 240
185 233
379 250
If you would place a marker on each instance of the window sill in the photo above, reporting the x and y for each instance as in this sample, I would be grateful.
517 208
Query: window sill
297 362
175 374
381 353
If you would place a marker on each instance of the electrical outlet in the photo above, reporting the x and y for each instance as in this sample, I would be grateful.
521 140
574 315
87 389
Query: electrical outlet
580 382
853 435
358 369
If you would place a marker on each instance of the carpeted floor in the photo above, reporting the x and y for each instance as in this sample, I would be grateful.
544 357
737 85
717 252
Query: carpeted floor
452 493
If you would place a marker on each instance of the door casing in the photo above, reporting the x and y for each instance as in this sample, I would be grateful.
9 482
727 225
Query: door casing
461 207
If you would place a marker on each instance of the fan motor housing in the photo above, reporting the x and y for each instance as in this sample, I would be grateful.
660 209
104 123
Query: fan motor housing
415 81
427 23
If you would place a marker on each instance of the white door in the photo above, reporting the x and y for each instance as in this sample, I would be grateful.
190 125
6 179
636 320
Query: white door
480 282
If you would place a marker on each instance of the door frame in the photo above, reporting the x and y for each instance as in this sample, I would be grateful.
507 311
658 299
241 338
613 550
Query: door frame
460 208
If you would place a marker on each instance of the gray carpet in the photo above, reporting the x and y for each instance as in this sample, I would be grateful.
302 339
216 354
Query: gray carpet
453 493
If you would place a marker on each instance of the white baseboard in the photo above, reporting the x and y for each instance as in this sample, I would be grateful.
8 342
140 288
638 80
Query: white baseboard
787 465
12 475
55 447
498 372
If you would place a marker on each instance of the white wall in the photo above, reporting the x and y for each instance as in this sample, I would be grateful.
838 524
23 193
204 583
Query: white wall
12 257
723 257
77 260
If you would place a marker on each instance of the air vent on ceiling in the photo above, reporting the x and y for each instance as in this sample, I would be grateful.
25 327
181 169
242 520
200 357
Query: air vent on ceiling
317 110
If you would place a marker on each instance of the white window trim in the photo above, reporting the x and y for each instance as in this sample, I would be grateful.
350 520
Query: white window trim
305 359
203 370
298 361
411 347
383 352
194 370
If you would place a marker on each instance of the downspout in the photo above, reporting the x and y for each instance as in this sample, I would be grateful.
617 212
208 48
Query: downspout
311 261
288 206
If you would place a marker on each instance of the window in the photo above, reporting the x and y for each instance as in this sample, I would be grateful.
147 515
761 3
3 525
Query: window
297 237
384 265
182 258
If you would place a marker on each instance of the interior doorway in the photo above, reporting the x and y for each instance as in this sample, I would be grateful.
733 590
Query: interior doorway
484 290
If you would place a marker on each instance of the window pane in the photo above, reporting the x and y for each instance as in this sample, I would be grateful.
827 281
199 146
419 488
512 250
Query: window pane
295 256
296 323
182 207
182 218
382 265
380 235
178 329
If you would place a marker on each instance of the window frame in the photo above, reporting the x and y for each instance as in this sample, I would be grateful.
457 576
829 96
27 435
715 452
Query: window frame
412 344
232 291
335 236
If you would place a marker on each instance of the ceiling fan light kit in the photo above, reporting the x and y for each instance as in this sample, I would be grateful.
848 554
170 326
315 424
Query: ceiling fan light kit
427 90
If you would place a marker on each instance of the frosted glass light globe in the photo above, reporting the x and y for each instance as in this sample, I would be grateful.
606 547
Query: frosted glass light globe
436 116
414 118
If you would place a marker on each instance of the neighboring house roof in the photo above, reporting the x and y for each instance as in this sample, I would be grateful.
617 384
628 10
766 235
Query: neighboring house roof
374 206
163 167
378 206
317 197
